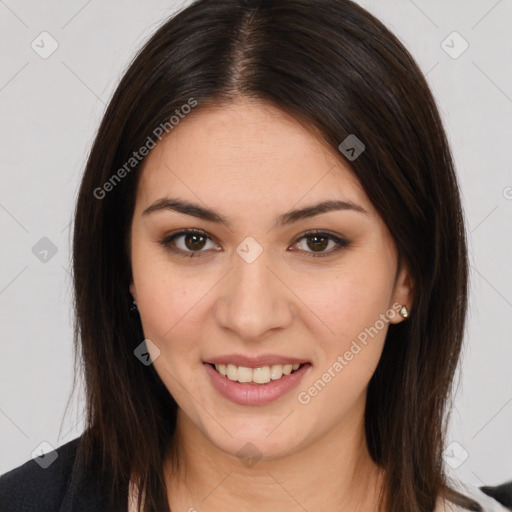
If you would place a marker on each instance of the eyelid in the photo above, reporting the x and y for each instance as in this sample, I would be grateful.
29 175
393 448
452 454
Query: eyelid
166 241
341 242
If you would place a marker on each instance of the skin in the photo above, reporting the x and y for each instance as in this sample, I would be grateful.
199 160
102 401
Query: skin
251 163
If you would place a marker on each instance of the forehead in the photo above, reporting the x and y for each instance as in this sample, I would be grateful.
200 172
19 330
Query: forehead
247 154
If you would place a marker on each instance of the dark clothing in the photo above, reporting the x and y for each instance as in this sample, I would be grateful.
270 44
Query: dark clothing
64 486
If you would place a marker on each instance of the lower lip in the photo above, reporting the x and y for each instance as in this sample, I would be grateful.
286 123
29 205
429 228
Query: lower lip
255 394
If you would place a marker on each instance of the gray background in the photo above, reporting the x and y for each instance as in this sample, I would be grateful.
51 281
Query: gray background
50 110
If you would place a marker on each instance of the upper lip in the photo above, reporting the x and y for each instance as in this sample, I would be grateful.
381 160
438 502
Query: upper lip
255 362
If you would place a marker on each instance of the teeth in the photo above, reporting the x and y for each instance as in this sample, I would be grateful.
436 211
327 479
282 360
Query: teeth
261 375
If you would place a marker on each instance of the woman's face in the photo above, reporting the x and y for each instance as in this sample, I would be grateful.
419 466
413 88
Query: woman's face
253 287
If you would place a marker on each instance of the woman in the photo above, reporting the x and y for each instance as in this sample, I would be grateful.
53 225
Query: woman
270 275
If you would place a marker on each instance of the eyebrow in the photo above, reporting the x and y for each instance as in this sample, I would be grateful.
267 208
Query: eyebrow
194 210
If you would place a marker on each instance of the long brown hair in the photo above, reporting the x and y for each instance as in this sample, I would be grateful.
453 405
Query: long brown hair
339 71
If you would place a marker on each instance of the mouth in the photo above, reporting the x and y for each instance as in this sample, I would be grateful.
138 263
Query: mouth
259 375
256 385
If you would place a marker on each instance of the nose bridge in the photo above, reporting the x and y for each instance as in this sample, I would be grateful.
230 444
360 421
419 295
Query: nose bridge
254 300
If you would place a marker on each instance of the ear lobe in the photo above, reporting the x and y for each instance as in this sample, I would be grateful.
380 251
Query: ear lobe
133 291
403 293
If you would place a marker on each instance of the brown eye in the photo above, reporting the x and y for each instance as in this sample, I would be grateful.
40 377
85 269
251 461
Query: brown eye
187 243
191 242
194 242
319 241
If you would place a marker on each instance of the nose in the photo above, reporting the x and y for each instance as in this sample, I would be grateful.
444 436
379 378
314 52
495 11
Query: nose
254 299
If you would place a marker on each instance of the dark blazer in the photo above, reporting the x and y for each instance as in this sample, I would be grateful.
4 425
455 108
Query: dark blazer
64 486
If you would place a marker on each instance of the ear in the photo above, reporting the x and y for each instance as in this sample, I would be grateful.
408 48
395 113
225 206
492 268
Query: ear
133 292
403 294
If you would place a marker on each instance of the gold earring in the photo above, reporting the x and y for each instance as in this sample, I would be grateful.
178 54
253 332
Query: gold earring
404 311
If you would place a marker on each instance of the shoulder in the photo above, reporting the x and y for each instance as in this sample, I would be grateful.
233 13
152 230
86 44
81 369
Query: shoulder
31 486
490 499
501 493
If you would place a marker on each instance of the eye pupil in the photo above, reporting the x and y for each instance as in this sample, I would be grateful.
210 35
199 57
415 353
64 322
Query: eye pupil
196 240
317 244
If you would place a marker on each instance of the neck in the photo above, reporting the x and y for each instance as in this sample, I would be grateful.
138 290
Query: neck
333 473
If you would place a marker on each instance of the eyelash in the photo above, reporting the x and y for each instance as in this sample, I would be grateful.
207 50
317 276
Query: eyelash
166 242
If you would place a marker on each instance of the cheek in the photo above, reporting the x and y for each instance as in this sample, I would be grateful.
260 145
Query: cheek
349 303
169 310
350 349
167 299
350 298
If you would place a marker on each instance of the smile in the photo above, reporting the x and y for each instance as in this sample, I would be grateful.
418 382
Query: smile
258 385
260 375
